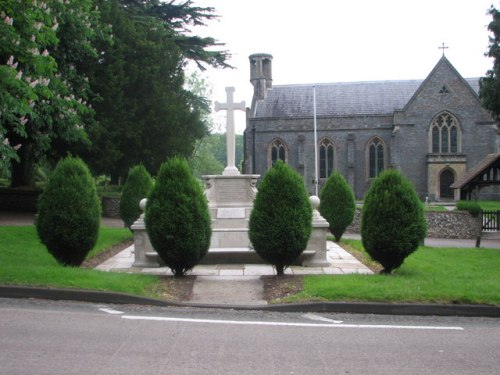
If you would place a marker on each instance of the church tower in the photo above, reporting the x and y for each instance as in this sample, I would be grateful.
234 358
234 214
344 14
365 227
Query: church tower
261 75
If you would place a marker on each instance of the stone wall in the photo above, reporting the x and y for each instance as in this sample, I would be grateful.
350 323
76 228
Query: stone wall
21 200
111 207
440 224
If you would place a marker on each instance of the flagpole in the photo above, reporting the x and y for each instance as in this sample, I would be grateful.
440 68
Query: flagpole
315 143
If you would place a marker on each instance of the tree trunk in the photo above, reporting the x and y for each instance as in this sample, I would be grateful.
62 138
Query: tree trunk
280 270
22 171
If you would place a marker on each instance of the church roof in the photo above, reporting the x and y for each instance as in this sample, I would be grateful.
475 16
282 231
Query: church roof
340 99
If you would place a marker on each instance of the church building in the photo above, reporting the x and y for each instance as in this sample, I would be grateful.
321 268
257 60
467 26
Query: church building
432 130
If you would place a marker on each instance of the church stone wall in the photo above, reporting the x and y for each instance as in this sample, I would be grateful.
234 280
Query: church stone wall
405 133
440 224
298 134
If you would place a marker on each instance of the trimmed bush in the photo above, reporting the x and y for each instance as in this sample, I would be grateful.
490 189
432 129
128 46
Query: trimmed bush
393 222
69 213
177 217
472 207
337 204
137 187
281 219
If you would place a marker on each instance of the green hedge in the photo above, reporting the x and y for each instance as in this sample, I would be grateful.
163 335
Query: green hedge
281 219
136 188
337 204
393 222
471 206
69 212
177 217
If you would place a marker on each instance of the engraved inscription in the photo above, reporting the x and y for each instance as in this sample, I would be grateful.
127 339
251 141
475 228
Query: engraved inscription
228 191
231 213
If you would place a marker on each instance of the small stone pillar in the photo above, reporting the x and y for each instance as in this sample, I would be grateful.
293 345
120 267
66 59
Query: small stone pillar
317 242
144 254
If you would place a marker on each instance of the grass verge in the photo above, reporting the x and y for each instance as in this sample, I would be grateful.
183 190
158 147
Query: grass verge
430 275
24 260
489 205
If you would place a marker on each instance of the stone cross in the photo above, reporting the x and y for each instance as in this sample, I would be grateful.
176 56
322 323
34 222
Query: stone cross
230 107
443 47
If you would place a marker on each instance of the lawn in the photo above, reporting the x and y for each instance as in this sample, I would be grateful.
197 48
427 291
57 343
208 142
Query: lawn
436 275
430 275
25 261
489 205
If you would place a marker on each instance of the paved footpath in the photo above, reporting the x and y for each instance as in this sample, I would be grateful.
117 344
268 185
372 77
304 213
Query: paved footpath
238 284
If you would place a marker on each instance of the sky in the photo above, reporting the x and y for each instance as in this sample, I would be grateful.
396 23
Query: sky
321 41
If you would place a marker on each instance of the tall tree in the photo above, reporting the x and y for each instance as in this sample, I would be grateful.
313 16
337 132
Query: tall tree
42 96
489 91
145 113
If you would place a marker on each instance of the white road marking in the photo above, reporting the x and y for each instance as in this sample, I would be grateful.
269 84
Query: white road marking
111 311
284 324
321 318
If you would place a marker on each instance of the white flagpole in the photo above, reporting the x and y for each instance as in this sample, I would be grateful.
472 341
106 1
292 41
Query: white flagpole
316 182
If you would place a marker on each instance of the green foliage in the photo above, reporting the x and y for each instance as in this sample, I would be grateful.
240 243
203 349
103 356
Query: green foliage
145 113
177 217
281 219
210 154
43 88
137 187
25 261
472 207
337 204
393 222
430 275
489 91
69 212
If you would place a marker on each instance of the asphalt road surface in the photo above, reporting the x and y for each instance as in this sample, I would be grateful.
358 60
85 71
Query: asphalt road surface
46 337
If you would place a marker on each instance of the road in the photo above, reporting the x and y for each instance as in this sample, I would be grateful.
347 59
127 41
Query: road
47 337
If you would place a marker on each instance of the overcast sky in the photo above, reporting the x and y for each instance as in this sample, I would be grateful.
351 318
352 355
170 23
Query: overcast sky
319 41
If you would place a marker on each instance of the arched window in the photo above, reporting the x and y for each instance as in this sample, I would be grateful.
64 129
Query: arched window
277 151
445 134
326 157
376 157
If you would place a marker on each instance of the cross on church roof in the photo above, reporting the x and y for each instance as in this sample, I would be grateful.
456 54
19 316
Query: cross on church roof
443 47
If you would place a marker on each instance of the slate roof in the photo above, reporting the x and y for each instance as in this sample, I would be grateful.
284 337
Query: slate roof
340 99
480 168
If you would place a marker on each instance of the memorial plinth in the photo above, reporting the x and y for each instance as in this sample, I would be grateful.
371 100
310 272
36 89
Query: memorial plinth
230 201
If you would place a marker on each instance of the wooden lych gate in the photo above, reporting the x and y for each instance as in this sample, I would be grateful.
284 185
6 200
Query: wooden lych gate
486 173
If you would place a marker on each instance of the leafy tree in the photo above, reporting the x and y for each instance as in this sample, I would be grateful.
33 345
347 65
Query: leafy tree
42 96
489 91
177 217
145 113
203 161
337 204
69 213
281 220
137 187
393 222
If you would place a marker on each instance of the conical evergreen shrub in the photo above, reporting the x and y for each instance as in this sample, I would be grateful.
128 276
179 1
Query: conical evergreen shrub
393 222
337 204
69 212
137 187
177 217
281 219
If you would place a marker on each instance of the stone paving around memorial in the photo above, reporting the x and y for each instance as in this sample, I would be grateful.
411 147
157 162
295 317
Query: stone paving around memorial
340 262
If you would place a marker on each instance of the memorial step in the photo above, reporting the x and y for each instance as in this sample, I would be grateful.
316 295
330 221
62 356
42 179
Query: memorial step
237 255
